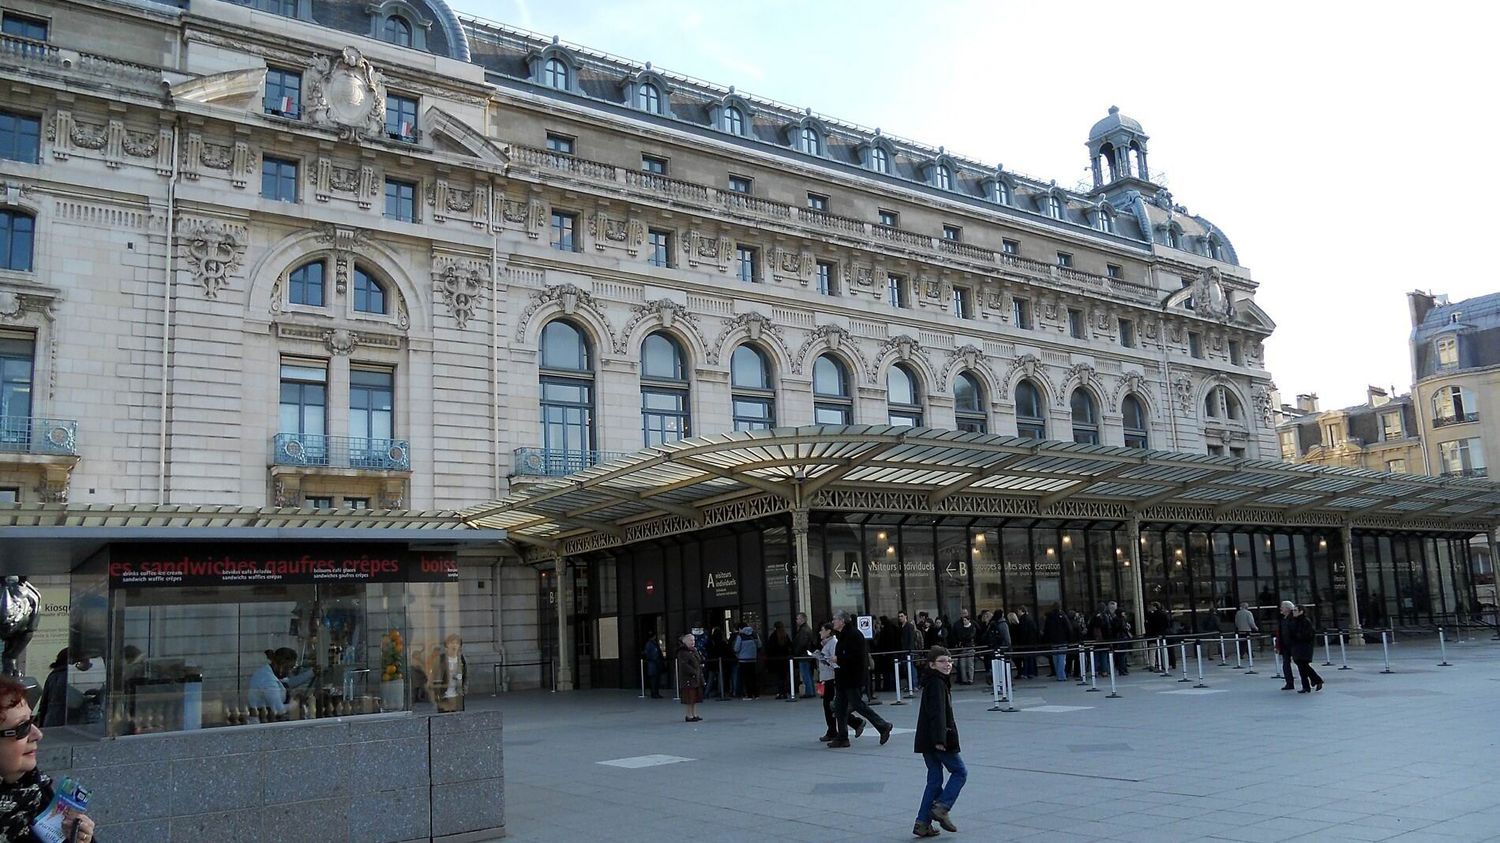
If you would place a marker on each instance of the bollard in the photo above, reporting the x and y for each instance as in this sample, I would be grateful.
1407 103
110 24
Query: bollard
1093 675
1113 694
721 679
1385 649
1343 652
1443 643
1182 654
791 675
995 683
1238 662
1082 665
1278 667
1223 659
896 675
1198 648
1163 657
1250 652
1327 652
911 676
676 686
643 679
1010 695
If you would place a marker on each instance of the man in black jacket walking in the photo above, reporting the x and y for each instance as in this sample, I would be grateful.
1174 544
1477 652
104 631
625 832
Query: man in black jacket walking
849 680
1284 642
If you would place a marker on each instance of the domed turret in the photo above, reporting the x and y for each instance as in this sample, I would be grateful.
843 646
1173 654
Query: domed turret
1117 149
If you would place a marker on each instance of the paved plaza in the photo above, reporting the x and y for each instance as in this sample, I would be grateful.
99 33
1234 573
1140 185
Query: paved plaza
1408 756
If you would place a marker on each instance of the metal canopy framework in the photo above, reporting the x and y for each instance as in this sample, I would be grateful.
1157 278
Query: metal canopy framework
718 479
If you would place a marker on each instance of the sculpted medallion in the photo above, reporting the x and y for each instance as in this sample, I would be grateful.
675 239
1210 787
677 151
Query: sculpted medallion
346 92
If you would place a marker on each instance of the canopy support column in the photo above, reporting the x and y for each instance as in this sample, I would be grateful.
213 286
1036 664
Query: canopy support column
1346 535
564 643
799 548
1137 579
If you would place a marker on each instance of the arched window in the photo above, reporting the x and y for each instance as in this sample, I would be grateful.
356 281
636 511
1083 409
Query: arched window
566 377
1054 207
1000 192
734 120
1215 248
903 397
396 31
1174 237
1085 418
664 391
968 404
1106 222
305 285
832 401
369 295
1135 422
1453 405
1030 421
809 142
17 235
556 74
1220 403
752 389
880 160
944 177
648 98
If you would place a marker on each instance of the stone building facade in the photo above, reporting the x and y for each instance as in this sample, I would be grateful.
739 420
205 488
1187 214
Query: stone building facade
1381 434
304 253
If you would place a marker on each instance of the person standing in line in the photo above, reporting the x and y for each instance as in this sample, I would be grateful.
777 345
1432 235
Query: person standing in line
937 741
1055 634
804 644
1077 631
716 656
1284 642
1123 632
1013 626
655 663
1158 625
849 659
964 635
778 655
1244 627
937 632
1027 639
1303 636
826 653
690 676
747 657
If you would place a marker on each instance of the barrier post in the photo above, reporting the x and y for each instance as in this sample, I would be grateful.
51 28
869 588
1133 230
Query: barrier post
676 687
1163 657
896 675
1082 666
1278 669
1343 651
1223 658
791 675
1238 661
721 678
995 683
1113 694
1443 644
643 679
1198 648
1385 649
1093 675
911 676
1182 654
1250 652
1010 695
1327 652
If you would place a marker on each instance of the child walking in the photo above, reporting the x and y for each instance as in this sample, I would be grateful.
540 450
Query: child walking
937 740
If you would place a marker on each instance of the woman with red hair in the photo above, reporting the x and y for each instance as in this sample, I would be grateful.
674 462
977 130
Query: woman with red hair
25 791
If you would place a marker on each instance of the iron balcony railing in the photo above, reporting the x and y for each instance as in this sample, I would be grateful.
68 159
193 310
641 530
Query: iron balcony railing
340 452
1467 472
26 435
557 462
1456 418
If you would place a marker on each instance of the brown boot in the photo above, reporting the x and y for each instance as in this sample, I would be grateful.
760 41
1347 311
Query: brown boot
924 830
940 813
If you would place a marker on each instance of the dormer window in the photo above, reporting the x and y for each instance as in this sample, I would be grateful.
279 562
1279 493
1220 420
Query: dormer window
1106 222
943 177
880 160
734 120
1174 237
1000 192
808 141
557 74
1215 248
648 98
1447 353
397 30
1054 207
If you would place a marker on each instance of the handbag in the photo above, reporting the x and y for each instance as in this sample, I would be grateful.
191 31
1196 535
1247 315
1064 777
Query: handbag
819 687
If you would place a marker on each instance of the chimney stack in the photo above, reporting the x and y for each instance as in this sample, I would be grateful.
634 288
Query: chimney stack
1421 304
1307 402
1377 396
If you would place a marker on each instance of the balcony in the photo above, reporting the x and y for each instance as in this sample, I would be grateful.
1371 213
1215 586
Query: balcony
1456 418
43 437
340 452
554 462
1467 472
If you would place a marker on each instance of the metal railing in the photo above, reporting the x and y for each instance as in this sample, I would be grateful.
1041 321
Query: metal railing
558 462
340 452
26 435
1456 418
1466 472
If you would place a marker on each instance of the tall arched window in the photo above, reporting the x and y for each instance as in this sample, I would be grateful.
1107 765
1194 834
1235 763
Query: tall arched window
752 389
1174 237
17 235
1085 418
968 404
880 160
944 177
1220 403
664 391
734 120
555 74
1000 192
1106 222
1135 422
1054 207
903 397
1031 423
833 403
396 31
305 284
1215 247
566 377
648 98
1453 405
809 142
369 294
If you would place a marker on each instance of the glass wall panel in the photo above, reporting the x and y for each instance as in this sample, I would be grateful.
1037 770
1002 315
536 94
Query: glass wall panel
817 570
1108 562
1201 570
1442 559
883 578
1178 599
1048 566
1386 591
1243 564
778 568
1020 589
917 564
953 557
1329 580
1076 579
1154 575
988 583
752 583
1221 547
846 566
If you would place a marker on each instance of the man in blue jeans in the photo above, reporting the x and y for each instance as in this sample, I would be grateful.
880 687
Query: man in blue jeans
804 644
1055 634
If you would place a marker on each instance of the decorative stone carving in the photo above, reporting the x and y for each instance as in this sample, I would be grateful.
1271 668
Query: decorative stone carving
570 300
1027 366
831 337
758 327
1209 299
346 93
10 305
340 341
669 314
1128 384
1182 391
1264 409
213 251
963 358
1079 374
460 284
905 348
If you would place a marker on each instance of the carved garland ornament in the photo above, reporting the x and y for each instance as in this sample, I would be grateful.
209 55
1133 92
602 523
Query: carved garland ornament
905 348
832 338
460 283
757 327
1027 366
213 251
669 314
570 300
965 358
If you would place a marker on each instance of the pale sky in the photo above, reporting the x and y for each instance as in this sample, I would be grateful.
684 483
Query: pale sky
1340 145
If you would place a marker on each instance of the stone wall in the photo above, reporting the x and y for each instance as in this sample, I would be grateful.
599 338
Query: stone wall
376 779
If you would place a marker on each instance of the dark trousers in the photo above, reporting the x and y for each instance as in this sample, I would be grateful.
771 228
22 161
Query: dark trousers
1286 668
1310 677
830 695
653 682
749 679
847 700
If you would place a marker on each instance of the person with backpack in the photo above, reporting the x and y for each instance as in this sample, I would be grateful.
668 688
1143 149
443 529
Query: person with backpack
746 665
937 741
